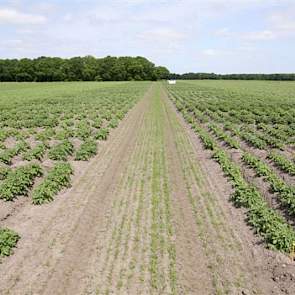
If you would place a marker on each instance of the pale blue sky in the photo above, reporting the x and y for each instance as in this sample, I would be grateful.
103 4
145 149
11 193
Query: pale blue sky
222 36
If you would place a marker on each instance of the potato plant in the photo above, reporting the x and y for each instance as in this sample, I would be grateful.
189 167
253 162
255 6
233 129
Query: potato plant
285 192
229 111
35 153
51 121
7 155
19 181
86 150
8 240
61 151
4 171
226 138
58 177
282 163
52 124
102 134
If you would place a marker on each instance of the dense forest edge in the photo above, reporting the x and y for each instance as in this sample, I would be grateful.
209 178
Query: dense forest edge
88 68
110 68
213 76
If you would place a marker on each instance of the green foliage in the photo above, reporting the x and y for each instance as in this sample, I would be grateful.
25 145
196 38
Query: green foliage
83 130
18 181
102 134
44 135
7 155
261 168
86 68
113 123
253 140
64 133
4 172
97 123
286 193
212 76
162 73
61 151
52 117
282 163
35 153
220 105
8 240
58 177
86 151
21 146
266 221
229 141
3 135
2 146
207 141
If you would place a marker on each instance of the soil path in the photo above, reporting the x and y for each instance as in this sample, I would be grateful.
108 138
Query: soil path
150 215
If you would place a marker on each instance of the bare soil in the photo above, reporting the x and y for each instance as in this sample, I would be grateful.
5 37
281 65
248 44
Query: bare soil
150 214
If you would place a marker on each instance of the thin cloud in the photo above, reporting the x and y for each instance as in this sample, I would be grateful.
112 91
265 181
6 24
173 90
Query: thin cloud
9 16
162 35
284 21
264 35
212 52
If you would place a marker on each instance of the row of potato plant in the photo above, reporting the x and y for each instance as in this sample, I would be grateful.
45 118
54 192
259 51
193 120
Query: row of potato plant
37 124
205 107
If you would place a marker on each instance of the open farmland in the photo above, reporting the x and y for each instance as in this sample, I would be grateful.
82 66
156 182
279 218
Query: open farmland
46 131
144 188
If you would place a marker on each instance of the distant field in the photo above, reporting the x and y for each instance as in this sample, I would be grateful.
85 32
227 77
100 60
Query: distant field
147 188
271 89
13 92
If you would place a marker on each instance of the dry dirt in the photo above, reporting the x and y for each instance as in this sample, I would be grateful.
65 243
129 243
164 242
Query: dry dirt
150 214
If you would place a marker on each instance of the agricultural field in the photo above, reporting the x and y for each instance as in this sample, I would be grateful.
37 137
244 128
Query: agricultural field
147 188
46 130
250 128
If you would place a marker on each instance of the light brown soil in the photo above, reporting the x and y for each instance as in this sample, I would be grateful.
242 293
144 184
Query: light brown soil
150 214
260 182
262 154
238 261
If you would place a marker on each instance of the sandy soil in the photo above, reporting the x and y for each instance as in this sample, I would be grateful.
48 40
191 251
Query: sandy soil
150 214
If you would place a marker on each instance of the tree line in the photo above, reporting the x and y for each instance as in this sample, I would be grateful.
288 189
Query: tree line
213 76
110 68
88 68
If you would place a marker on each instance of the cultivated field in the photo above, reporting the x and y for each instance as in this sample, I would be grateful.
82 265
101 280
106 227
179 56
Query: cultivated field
144 188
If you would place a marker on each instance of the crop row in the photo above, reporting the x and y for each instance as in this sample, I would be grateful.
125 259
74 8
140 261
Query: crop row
37 124
58 177
282 163
229 140
86 151
263 123
286 193
18 181
266 221
7 155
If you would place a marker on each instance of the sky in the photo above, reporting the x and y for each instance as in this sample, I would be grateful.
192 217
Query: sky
221 36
